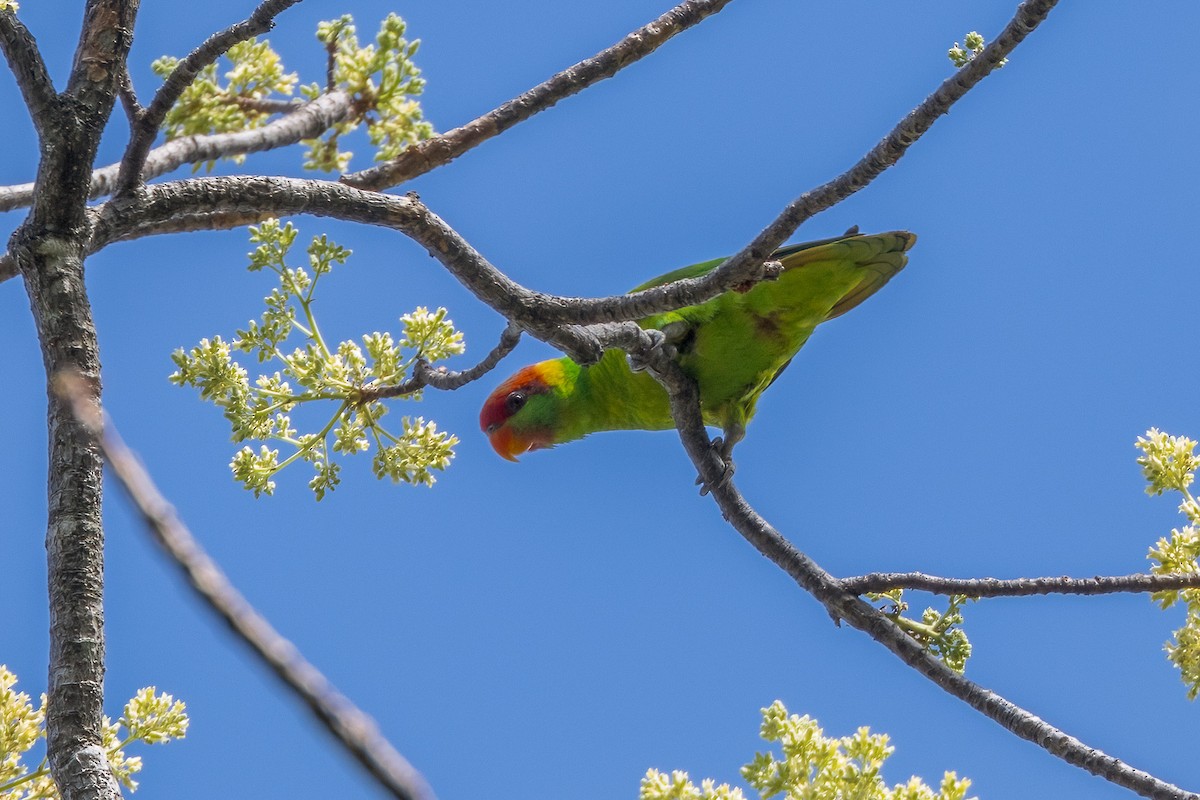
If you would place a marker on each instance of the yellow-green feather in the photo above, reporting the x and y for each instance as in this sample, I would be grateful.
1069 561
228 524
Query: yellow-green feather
734 346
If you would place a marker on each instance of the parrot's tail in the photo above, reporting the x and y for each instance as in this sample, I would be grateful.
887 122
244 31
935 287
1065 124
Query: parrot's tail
880 255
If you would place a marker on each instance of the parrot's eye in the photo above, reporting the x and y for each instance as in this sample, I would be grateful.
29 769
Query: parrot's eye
514 402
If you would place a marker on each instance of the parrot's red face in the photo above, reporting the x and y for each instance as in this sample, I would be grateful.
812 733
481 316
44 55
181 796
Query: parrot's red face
510 431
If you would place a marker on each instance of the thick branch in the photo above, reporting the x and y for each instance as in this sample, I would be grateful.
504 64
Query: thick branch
53 269
27 67
221 203
49 249
352 728
303 121
185 72
432 153
104 42
1018 587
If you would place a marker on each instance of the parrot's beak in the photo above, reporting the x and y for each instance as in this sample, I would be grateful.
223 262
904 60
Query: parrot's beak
507 444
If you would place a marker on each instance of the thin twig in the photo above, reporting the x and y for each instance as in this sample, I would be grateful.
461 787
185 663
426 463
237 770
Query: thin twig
356 731
442 378
25 61
331 50
129 101
432 153
1018 587
269 105
260 21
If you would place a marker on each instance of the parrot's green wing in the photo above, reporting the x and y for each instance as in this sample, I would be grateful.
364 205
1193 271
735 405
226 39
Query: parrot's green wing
737 344
705 267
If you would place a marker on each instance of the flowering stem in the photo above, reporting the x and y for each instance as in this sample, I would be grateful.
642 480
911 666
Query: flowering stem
314 333
912 626
301 451
377 429
41 771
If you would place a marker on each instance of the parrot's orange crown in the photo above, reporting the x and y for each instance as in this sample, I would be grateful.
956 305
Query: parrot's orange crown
506 401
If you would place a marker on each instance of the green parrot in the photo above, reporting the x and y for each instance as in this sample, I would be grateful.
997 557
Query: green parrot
734 347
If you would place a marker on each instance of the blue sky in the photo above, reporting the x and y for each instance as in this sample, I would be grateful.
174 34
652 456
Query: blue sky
554 628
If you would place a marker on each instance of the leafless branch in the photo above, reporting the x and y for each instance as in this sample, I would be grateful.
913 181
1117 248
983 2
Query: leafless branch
305 121
433 153
129 101
27 67
448 380
260 21
888 151
351 727
221 203
1018 587
844 605
268 105
747 265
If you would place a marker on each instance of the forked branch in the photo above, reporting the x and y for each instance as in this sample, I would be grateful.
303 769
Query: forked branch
185 72
844 605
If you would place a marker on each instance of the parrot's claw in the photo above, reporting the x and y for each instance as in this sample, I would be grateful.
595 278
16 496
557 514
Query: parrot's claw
725 453
655 341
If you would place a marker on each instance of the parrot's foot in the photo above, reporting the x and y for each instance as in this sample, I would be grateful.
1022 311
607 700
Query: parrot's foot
724 452
656 340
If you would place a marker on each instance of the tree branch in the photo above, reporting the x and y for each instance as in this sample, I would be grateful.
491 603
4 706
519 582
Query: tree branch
442 378
882 156
129 101
843 605
221 203
1018 587
104 42
271 105
352 728
747 265
49 249
260 21
534 309
433 153
304 121
53 269
25 61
